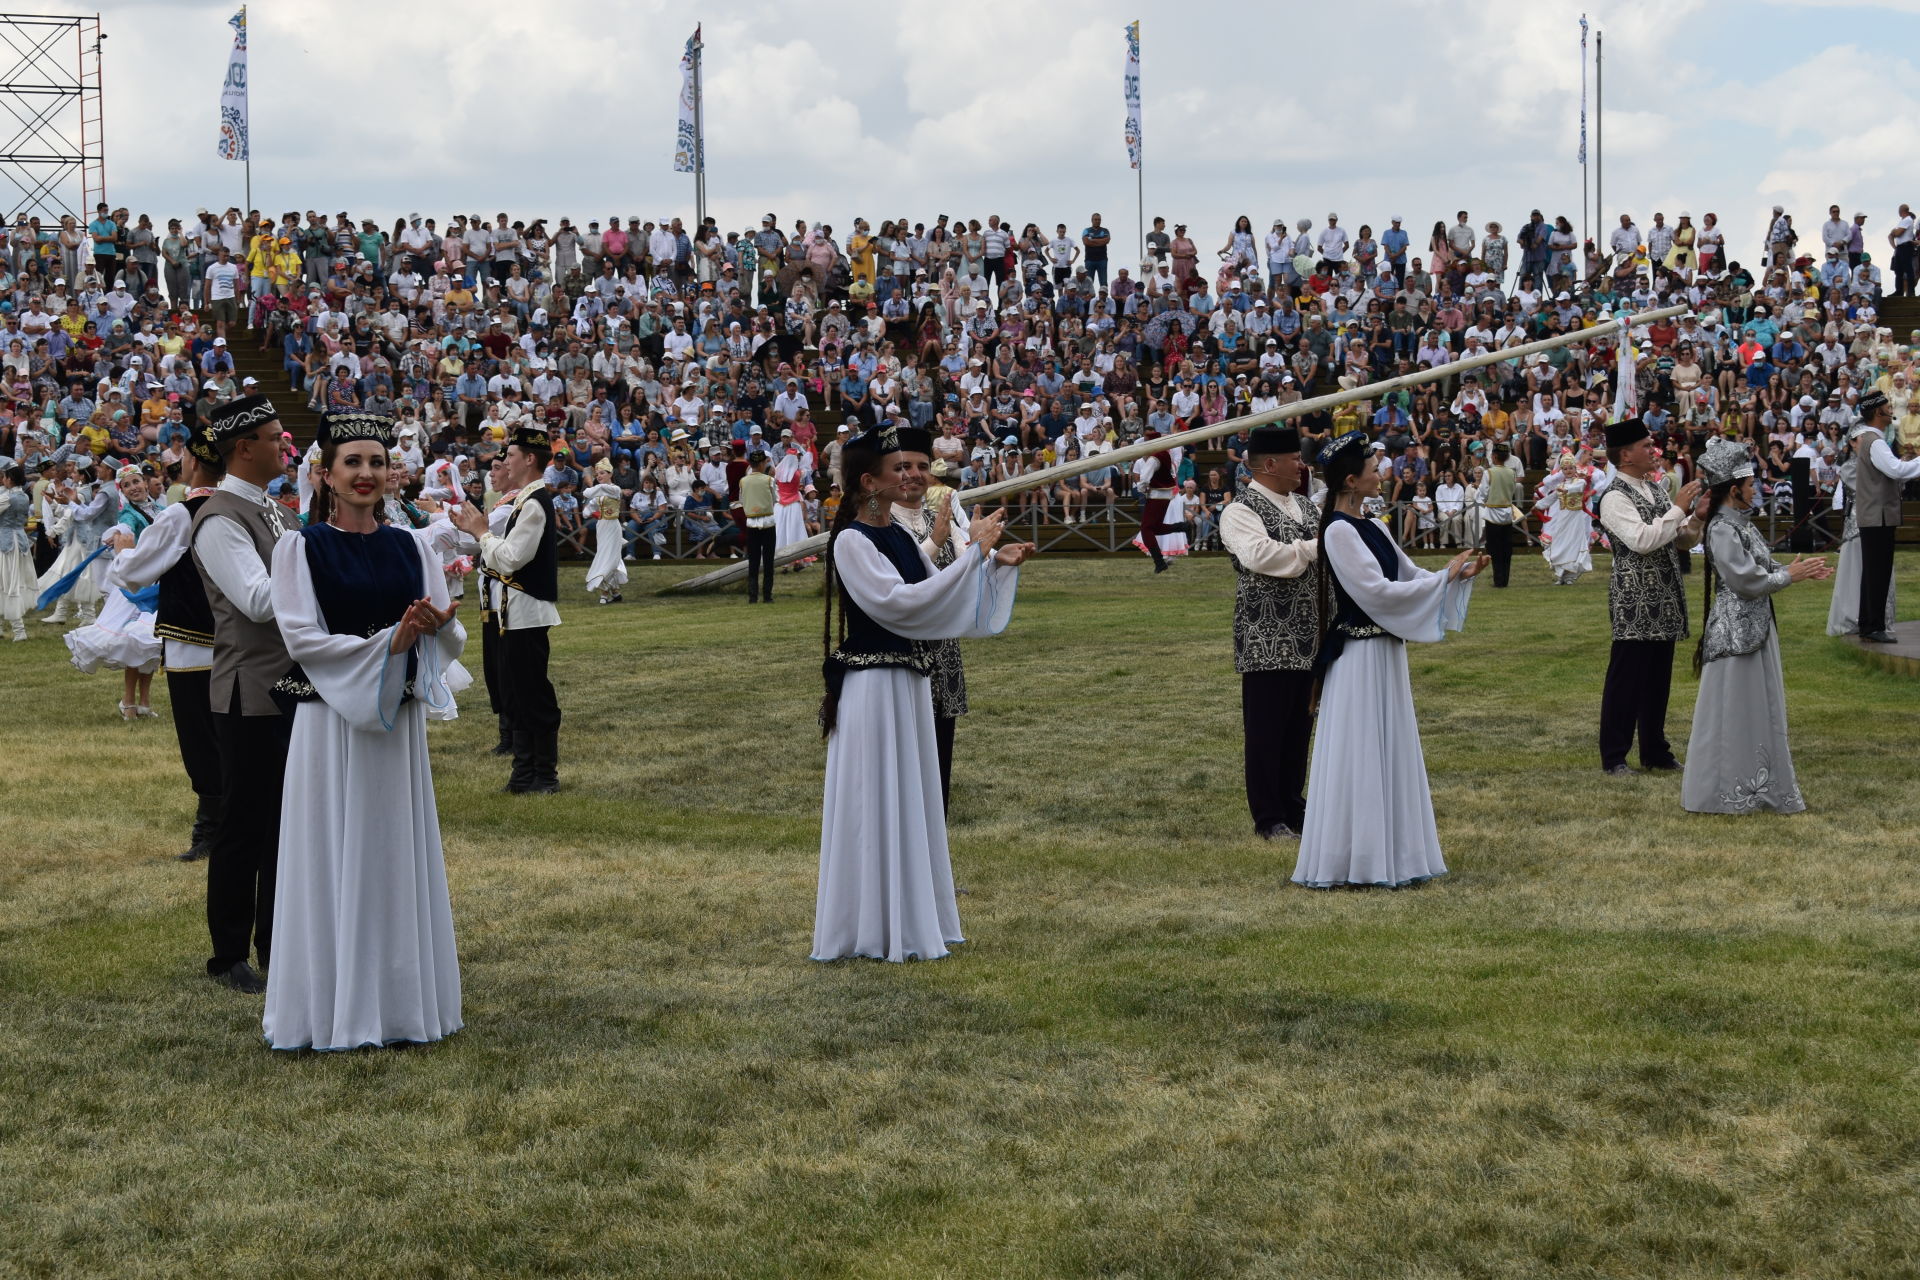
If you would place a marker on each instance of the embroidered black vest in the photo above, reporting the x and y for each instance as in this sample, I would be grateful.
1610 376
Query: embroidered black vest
184 613
1646 595
363 583
1350 621
1276 621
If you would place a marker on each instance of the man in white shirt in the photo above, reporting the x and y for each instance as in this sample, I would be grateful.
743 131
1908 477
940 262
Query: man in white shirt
1270 534
1625 238
1836 230
222 285
1902 240
1333 244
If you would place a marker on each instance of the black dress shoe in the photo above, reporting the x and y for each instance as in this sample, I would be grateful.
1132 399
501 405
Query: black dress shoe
1618 771
1279 831
1880 637
194 854
242 978
501 749
1665 766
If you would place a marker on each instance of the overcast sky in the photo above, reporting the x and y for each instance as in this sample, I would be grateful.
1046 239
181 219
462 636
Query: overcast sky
845 107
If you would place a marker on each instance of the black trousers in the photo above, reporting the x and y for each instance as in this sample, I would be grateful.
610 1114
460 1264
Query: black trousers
760 551
1903 270
1639 678
490 661
193 729
943 747
1500 547
528 696
1876 575
245 852
1277 716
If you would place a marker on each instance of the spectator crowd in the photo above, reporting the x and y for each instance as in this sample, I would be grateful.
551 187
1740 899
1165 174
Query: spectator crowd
657 352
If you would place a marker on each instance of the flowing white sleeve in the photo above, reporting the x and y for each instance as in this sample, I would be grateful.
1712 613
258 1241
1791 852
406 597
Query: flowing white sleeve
1748 577
968 599
1887 465
158 550
439 674
1421 606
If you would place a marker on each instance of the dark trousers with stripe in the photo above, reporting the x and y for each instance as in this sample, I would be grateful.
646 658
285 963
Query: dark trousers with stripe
1639 678
1276 713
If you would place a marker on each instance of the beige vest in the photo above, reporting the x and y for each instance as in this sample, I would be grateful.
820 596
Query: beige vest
247 655
1876 495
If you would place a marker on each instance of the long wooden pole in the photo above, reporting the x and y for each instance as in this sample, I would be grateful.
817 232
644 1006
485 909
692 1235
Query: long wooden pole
1213 431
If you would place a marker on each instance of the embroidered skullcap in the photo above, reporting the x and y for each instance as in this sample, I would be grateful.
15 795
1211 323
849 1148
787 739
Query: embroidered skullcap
240 417
1340 444
1724 461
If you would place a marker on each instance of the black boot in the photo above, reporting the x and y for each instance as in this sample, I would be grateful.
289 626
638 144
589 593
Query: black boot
205 819
546 762
504 747
521 779
1159 556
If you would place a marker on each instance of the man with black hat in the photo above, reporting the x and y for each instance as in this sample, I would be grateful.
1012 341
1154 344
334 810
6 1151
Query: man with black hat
1646 598
184 623
232 540
1878 477
1272 535
523 585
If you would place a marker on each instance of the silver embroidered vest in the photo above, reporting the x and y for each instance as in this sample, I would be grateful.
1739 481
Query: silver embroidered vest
1646 596
1739 624
1276 621
14 506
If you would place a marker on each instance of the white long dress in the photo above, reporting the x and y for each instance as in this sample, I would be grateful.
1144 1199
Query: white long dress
363 946
886 885
789 518
17 580
1569 529
608 572
62 521
1369 814
1174 544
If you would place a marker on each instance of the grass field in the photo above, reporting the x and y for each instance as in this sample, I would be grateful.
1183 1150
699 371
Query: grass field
1617 1041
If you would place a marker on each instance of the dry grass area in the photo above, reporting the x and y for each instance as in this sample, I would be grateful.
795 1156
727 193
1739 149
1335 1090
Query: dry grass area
1618 1041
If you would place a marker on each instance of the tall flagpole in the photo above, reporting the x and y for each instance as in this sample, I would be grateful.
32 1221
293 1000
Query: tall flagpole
1599 133
699 139
1585 231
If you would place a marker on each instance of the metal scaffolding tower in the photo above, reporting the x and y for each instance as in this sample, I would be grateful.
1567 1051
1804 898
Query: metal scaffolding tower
55 158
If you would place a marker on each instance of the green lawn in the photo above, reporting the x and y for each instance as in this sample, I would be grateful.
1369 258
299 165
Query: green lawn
1617 1041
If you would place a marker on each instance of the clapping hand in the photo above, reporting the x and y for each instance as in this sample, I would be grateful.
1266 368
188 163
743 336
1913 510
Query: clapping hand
1804 568
468 518
943 518
1466 565
1689 497
1015 553
420 619
985 530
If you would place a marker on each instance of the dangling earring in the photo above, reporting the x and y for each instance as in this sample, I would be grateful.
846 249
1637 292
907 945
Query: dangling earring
873 508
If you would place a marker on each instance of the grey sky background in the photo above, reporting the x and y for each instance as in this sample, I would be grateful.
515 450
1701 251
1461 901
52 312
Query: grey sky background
838 108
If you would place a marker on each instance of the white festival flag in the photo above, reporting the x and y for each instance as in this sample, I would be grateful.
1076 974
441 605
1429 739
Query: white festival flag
1131 88
233 94
1583 88
687 157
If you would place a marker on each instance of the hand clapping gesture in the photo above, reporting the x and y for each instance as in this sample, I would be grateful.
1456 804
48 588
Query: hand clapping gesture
1466 565
420 619
1804 567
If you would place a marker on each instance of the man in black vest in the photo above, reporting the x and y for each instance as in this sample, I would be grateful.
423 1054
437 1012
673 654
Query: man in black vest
1272 534
234 533
184 623
523 584
1646 598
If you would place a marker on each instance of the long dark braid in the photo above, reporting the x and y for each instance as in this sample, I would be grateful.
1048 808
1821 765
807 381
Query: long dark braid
1338 472
856 460
1709 580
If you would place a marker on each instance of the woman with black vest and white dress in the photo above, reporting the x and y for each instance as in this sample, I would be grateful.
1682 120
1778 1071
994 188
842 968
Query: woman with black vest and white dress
1369 812
1272 535
886 885
363 951
1738 760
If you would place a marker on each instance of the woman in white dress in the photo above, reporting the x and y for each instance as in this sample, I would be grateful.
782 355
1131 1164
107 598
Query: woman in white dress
78 515
603 500
122 637
886 886
16 548
1738 759
1569 528
363 948
1369 814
